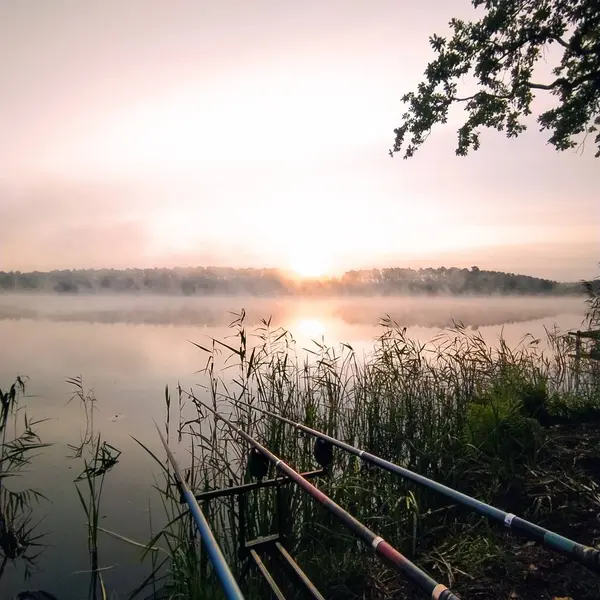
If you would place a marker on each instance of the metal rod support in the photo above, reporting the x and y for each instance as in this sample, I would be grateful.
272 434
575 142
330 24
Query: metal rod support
300 574
386 552
248 487
277 593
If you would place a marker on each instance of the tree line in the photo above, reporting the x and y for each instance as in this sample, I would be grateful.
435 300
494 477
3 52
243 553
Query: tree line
203 281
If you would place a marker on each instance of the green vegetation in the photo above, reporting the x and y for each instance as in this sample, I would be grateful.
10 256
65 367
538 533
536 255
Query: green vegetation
268 282
515 427
592 288
495 60
491 422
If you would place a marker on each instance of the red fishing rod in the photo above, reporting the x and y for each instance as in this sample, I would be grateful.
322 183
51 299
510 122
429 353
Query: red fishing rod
383 549
590 557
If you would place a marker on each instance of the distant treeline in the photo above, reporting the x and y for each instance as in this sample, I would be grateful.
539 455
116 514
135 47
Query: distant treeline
271 282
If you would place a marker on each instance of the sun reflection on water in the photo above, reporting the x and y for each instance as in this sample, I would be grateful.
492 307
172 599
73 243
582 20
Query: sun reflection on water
308 327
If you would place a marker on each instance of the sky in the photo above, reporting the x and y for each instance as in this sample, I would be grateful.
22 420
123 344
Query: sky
142 133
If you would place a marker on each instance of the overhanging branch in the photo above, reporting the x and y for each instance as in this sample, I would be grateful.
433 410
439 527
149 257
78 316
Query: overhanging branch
560 82
574 45
565 83
486 94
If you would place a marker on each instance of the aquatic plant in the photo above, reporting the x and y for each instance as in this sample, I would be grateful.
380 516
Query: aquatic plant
99 457
455 410
20 542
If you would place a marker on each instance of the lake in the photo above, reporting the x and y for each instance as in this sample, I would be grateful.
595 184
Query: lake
128 348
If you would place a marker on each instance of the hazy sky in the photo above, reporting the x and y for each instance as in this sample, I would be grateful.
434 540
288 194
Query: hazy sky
251 133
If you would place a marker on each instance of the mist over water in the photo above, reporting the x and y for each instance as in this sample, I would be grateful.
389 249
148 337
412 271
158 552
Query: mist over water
420 311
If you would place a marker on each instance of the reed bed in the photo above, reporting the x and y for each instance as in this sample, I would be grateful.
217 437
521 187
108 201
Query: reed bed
472 416
455 410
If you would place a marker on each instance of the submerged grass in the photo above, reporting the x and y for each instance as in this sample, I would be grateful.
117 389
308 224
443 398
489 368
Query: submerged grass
474 417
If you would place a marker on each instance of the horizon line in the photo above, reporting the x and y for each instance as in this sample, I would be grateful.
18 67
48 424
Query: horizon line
287 271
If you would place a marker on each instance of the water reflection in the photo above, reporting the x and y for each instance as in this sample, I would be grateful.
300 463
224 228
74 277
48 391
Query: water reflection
309 327
127 349
21 541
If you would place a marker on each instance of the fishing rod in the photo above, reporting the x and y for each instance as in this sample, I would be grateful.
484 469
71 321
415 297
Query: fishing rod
590 557
383 549
228 583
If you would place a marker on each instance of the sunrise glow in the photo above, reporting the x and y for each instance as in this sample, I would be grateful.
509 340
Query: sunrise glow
174 232
308 327
308 264
185 141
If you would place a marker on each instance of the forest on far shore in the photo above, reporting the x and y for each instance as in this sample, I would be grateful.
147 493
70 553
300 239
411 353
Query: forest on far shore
205 281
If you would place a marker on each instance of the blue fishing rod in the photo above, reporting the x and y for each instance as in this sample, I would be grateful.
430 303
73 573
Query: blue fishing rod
586 555
384 550
228 583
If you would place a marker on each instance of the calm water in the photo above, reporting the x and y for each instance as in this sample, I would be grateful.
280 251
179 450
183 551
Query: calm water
129 348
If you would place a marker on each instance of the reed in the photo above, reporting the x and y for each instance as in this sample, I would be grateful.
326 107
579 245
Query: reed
456 410
20 540
98 457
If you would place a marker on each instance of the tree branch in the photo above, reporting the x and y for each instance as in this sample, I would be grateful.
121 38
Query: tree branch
562 43
549 86
560 82
574 46
479 94
565 83
575 42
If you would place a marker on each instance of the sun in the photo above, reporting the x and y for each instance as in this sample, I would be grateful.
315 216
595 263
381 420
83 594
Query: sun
309 265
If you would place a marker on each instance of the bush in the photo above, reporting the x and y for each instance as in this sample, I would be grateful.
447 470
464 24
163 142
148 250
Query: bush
499 428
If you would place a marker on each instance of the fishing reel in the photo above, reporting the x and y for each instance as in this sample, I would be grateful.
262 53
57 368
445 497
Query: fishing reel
323 452
258 464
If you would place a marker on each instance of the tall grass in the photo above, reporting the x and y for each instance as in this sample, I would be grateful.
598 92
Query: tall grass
20 542
455 410
99 458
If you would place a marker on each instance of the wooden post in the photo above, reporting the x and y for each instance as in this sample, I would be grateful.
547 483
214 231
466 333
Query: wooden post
577 360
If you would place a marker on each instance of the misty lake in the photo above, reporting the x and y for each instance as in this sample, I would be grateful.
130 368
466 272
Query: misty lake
128 348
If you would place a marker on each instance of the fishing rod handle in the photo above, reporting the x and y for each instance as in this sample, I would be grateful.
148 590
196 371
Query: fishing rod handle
590 557
586 555
441 592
